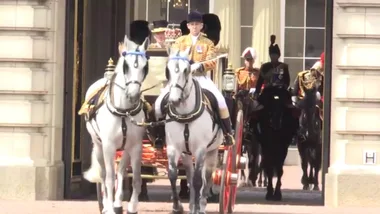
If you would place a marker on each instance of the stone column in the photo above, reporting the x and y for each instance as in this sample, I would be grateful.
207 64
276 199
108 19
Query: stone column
266 21
31 106
229 15
353 176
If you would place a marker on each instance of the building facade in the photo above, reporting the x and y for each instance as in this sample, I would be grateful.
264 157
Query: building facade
47 49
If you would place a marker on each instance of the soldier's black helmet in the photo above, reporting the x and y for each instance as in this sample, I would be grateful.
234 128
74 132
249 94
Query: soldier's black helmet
212 27
138 31
273 48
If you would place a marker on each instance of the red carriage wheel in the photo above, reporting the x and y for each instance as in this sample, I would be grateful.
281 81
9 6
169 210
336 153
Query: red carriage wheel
236 157
224 194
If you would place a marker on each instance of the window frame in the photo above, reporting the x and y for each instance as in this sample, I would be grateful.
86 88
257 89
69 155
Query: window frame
305 28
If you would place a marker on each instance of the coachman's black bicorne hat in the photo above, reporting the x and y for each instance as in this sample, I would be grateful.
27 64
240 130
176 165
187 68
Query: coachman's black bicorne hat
184 28
212 27
159 26
273 48
138 31
194 16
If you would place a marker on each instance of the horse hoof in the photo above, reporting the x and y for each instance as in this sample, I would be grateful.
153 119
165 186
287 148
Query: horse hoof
277 196
118 210
179 211
269 197
316 188
305 187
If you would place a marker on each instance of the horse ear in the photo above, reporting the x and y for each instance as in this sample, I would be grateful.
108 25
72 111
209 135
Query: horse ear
126 40
187 51
168 49
145 44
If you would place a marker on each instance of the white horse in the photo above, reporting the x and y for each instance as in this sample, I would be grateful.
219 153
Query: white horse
190 129
112 129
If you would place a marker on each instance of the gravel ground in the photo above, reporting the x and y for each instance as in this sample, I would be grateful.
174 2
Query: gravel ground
250 200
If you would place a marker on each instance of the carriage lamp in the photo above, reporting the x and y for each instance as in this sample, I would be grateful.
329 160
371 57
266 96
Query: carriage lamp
229 79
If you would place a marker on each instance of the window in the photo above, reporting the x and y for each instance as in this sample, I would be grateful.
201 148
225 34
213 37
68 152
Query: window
246 28
304 33
174 11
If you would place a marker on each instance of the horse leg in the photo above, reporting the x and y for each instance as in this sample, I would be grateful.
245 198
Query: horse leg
208 168
119 193
268 167
265 179
198 183
109 152
311 174
187 161
277 196
303 156
173 157
135 154
317 167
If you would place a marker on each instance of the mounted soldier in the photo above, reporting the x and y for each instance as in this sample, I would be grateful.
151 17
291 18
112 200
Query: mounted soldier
159 28
276 119
202 51
247 76
274 75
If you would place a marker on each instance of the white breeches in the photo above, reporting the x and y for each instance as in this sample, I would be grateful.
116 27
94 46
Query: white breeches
204 82
208 84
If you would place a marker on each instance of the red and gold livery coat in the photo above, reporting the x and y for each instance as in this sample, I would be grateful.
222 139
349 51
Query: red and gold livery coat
244 79
204 49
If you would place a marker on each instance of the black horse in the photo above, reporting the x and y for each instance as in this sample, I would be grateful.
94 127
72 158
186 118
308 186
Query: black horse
277 124
309 140
251 145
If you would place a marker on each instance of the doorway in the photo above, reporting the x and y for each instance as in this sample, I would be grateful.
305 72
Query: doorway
88 22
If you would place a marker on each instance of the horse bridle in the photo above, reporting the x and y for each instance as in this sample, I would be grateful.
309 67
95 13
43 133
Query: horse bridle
182 88
136 53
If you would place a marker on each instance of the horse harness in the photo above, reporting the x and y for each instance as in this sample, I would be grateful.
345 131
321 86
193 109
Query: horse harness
110 102
204 100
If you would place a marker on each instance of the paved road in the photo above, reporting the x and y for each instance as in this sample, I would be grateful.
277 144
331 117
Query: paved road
295 201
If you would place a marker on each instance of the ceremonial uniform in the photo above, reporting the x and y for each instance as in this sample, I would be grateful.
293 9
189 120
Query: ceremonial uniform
247 76
201 50
274 74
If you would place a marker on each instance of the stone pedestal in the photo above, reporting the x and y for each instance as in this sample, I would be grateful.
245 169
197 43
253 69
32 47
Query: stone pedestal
266 21
229 15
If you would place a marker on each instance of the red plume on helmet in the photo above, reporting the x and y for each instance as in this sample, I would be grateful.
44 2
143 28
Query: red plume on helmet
322 58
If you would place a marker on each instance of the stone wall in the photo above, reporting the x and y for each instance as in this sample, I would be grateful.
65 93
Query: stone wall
355 114
31 99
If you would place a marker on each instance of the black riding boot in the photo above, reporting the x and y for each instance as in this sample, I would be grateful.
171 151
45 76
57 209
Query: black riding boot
227 130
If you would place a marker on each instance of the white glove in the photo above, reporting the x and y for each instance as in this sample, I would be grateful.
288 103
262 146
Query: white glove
318 96
294 99
195 66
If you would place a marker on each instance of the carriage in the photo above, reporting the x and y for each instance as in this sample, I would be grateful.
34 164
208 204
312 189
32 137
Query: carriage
230 160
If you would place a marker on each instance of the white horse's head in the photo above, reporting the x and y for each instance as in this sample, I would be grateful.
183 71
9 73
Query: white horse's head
180 77
133 65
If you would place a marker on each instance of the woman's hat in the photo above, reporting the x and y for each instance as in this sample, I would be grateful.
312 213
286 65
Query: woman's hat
159 26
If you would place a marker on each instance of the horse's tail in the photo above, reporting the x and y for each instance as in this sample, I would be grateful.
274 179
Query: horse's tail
94 173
